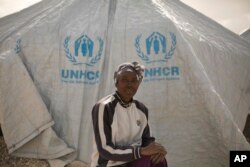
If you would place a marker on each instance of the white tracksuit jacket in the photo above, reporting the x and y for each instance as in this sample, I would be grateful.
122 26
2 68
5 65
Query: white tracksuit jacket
119 131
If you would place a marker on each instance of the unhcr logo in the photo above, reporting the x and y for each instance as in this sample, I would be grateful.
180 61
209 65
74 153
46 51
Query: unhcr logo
156 50
18 46
84 51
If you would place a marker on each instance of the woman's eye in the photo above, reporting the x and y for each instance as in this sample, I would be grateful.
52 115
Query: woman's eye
129 81
124 80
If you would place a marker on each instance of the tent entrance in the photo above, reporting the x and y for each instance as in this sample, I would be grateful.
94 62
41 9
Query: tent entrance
246 130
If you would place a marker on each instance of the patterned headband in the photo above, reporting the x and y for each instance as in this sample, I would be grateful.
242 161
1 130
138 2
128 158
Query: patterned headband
132 67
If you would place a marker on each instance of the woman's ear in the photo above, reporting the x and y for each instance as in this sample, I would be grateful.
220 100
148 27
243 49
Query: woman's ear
116 81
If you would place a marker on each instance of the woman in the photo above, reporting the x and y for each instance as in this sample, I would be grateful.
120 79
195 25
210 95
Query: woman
122 134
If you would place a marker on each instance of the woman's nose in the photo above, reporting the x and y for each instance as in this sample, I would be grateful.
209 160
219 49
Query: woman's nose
129 83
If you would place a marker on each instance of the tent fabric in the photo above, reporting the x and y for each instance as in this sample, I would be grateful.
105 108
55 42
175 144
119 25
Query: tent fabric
57 59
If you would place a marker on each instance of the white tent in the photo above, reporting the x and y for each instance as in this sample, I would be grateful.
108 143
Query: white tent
57 59
246 35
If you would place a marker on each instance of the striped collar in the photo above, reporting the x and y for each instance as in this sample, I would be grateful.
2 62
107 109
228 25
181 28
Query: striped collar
123 104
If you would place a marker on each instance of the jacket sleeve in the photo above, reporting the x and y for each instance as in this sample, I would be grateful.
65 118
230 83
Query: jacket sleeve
102 116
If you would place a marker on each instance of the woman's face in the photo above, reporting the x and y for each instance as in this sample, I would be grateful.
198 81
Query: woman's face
127 85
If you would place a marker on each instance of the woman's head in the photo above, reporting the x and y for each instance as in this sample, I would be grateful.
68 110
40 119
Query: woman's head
127 79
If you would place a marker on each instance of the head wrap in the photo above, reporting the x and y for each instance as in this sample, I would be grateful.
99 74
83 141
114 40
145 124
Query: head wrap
132 67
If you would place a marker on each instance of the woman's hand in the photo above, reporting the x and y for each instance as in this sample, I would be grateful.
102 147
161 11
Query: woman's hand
156 150
156 158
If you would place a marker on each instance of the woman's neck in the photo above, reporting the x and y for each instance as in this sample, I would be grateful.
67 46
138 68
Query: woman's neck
122 100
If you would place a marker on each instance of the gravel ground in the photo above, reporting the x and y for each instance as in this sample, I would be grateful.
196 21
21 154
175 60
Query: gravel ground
10 161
